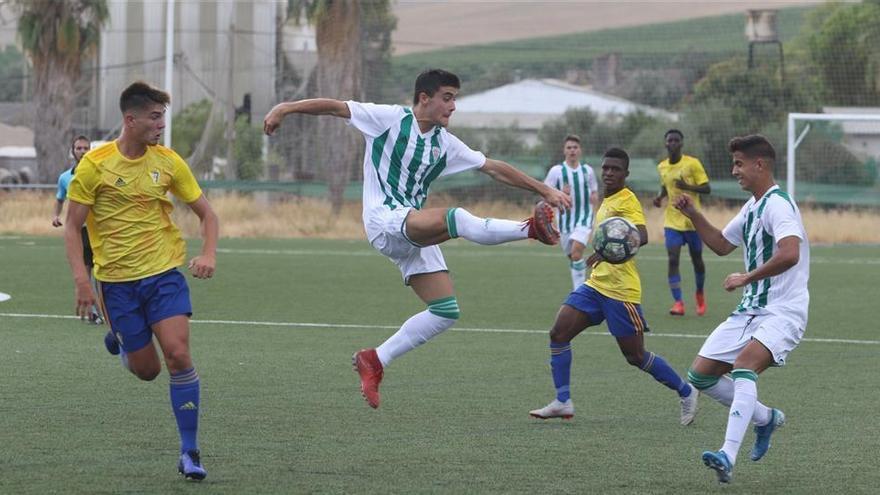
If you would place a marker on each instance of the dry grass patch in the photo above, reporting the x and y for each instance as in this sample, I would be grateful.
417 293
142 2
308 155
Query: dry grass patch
270 215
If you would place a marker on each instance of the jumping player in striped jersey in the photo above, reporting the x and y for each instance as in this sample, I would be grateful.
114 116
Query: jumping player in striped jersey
613 293
770 320
575 225
406 150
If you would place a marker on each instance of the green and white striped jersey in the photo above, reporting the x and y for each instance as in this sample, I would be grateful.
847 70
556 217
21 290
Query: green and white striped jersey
400 162
582 183
757 228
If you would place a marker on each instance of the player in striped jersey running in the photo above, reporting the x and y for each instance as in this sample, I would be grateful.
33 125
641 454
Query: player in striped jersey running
769 321
406 150
575 225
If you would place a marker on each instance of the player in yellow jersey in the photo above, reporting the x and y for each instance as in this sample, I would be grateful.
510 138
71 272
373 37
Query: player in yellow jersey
120 191
613 293
682 175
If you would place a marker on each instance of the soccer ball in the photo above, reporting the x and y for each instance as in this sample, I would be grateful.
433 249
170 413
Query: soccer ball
616 240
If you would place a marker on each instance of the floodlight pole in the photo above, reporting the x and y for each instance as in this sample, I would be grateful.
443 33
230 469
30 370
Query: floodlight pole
169 67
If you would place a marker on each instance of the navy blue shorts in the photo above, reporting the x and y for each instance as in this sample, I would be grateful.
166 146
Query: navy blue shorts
625 319
676 238
133 307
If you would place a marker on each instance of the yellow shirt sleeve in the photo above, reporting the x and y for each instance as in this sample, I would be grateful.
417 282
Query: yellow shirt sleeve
631 209
183 183
698 172
84 183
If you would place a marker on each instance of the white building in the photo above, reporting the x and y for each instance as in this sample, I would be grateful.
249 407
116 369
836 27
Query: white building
862 138
530 103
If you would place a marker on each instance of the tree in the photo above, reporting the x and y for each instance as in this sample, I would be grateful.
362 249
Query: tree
844 44
57 36
339 34
11 74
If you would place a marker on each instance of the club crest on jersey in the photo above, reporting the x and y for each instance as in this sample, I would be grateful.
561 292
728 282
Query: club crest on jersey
435 153
155 175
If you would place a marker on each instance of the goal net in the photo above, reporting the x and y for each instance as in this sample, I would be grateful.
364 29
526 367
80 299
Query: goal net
832 158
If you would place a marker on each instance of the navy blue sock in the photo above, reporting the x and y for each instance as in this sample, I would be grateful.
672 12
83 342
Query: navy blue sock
185 404
663 373
701 279
675 286
560 364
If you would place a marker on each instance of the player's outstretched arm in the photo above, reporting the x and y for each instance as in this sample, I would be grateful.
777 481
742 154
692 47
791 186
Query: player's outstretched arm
314 106
85 297
507 174
707 232
203 265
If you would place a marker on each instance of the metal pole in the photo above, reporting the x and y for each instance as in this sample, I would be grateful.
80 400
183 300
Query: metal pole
789 158
231 167
169 67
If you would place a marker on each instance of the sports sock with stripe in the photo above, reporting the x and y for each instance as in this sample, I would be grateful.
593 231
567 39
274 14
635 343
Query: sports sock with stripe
578 272
486 231
419 328
560 367
185 390
745 397
675 286
657 367
721 389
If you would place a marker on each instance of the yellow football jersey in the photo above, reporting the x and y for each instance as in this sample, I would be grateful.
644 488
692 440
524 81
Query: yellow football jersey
129 222
621 281
690 170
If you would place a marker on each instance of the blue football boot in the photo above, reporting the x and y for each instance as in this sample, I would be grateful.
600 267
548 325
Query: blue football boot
111 343
720 463
190 466
762 435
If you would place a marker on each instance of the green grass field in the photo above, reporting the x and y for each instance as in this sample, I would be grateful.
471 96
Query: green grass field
273 335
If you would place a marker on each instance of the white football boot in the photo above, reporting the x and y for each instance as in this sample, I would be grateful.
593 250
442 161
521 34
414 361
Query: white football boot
689 406
555 409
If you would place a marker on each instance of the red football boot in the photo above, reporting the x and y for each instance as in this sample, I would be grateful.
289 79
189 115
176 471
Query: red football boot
701 304
541 225
677 309
366 363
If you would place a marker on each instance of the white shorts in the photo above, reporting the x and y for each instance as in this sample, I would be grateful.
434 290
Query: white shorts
778 334
580 234
385 232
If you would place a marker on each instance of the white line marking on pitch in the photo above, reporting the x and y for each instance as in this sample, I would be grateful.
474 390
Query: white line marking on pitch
395 327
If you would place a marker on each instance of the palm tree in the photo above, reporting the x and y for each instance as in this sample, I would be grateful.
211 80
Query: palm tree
339 29
57 35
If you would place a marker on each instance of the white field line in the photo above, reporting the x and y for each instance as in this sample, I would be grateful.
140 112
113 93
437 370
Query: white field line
470 251
291 324
503 252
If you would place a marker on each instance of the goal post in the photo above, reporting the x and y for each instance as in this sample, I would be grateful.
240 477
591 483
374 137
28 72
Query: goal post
795 138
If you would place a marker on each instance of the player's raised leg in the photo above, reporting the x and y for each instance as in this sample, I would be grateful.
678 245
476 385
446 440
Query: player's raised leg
627 324
437 225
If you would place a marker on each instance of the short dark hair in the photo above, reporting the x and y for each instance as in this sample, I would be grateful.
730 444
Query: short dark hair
673 131
79 138
431 80
753 146
141 94
617 153
572 137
